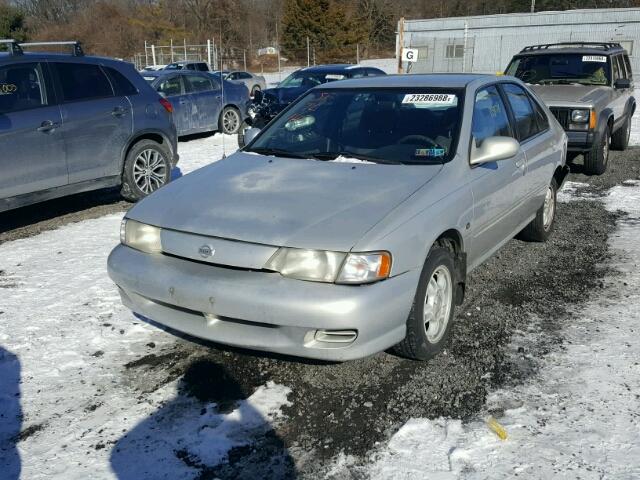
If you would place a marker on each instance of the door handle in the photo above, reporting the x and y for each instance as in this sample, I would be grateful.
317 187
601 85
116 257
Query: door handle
520 162
119 111
48 126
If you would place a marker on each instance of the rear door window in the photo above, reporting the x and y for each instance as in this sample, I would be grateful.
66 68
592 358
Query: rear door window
628 65
203 67
22 87
196 83
526 122
82 81
490 117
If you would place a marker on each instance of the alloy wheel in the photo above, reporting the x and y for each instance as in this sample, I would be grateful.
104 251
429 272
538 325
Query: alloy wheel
549 209
149 170
230 121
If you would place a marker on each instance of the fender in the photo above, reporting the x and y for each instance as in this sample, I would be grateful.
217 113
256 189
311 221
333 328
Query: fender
134 138
603 120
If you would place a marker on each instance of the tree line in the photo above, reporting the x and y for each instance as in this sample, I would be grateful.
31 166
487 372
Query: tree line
119 28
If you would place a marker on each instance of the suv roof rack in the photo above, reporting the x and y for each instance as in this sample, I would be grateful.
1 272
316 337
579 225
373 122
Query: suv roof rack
606 46
13 47
76 47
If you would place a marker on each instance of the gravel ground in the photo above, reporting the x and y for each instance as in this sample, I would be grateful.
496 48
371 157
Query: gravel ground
347 408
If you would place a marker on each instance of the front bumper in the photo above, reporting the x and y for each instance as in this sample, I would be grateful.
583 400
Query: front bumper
580 141
262 310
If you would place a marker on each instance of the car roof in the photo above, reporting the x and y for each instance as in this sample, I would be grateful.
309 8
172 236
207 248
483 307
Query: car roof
331 68
161 73
436 80
570 50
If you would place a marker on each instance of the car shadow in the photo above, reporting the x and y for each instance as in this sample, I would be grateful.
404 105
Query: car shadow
208 430
196 136
10 415
52 209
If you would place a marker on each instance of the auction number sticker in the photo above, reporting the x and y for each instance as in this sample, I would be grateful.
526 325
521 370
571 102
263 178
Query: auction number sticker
430 99
594 58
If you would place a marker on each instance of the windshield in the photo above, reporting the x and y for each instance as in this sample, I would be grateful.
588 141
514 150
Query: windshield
309 80
561 68
409 126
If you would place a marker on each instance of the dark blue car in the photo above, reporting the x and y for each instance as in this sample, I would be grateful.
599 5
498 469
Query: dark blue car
270 102
200 103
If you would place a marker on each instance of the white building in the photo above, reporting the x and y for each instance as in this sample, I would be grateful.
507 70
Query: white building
485 44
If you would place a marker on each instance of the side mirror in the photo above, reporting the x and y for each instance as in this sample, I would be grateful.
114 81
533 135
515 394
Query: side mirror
622 83
250 134
493 149
258 96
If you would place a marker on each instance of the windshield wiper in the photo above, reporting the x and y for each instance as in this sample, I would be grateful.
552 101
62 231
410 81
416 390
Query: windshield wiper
328 156
277 152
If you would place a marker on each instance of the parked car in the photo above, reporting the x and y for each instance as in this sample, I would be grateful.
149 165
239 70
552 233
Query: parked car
268 103
72 123
252 81
199 102
186 65
349 224
589 88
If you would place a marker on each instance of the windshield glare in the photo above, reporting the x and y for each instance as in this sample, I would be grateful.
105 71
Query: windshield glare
561 68
411 126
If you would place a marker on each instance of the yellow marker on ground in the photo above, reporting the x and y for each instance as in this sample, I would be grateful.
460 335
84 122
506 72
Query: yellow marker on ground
496 428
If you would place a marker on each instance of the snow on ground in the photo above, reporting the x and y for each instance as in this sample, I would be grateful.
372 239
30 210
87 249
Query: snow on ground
578 418
64 341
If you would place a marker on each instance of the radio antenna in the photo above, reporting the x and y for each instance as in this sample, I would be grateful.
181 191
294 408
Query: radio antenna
224 150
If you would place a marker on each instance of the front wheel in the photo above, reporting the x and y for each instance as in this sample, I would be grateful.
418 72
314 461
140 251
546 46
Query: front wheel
146 169
430 319
540 228
229 122
597 159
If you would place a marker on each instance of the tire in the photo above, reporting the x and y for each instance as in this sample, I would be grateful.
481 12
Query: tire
597 159
540 228
147 167
229 121
620 139
420 343
256 88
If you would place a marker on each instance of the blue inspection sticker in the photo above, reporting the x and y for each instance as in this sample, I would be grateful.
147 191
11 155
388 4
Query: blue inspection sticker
430 152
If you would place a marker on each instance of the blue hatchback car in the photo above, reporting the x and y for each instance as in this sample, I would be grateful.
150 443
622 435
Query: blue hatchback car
201 103
73 123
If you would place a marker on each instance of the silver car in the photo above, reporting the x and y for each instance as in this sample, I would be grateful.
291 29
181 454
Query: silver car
350 223
253 82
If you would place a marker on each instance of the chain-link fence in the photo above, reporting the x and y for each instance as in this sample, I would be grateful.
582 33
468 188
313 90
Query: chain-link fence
257 60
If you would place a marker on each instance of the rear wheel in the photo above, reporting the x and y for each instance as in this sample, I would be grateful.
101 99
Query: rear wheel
430 319
597 159
229 122
146 169
540 228
620 139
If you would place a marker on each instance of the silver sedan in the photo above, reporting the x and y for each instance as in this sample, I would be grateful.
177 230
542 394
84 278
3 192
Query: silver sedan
253 82
349 224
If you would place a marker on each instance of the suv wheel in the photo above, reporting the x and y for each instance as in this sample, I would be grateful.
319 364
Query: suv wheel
540 228
146 169
230 121
596 159
430 319
620 139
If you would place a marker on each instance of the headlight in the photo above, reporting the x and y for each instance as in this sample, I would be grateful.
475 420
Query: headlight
140 236
579 116
330 267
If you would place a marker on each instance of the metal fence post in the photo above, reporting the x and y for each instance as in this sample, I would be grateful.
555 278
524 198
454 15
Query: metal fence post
153 54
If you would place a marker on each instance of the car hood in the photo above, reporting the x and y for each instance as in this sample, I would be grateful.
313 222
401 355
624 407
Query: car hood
283 202
570 95
285 96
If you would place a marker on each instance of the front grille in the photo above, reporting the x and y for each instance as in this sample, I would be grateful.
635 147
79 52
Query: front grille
562 115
